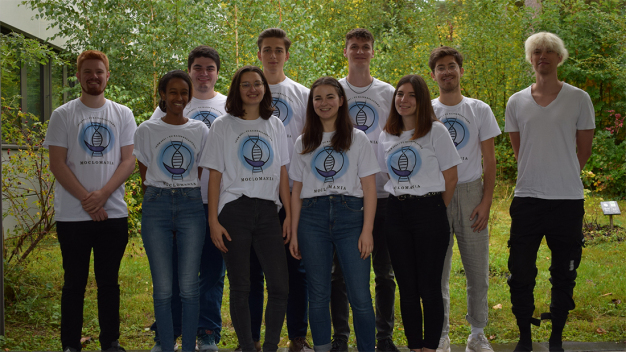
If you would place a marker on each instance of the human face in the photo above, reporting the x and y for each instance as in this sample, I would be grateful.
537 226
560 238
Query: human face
545 60
447 74
273 54
203 74
406 103
326 102
93 77
176 96
251 95
359 52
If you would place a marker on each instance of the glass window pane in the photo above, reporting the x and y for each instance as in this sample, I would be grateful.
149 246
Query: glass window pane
57 86
10 81
33 89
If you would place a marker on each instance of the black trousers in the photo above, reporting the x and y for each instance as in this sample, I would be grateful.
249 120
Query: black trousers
108 240
560 221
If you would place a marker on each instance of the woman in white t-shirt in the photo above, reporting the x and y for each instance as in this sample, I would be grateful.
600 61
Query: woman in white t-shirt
246 155
334 202
416 150
168 151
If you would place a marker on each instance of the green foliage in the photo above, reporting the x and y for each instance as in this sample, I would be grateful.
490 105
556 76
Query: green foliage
606 169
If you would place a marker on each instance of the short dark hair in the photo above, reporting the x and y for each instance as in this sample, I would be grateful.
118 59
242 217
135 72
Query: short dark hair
440 53
360 33
166 79
274 33
424 115
203 51
234 103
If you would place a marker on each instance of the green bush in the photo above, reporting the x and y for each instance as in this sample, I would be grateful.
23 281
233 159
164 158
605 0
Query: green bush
606 169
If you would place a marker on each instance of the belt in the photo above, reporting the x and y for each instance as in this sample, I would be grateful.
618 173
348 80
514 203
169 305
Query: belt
412 196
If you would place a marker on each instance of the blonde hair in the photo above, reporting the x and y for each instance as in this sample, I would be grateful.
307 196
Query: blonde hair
546 40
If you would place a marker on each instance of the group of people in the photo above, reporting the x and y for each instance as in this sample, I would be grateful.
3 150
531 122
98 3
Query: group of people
305 189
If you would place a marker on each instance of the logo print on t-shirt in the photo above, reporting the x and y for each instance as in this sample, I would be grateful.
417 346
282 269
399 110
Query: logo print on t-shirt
256 153
205 116
364 115
96 138
176 159
404 163
458 131
282 110
329 164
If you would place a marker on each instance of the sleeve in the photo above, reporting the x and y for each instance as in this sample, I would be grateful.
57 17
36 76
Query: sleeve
205 134
510 120
297 163
489 125
157 114
587 117
129 127
283 148
142 149
213 151
56 135
380 151
368 164
445 151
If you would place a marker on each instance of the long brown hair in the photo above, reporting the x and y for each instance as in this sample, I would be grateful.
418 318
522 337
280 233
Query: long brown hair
234 103
424 115
313 131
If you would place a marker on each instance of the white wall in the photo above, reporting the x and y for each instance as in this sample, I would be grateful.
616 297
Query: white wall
16 15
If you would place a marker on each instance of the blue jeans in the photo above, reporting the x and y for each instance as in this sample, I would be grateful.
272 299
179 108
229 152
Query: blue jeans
212 272
165 211
333 224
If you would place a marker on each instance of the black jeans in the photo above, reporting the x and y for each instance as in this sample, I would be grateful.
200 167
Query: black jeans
108 240
560 221
253 224
385 285
418 235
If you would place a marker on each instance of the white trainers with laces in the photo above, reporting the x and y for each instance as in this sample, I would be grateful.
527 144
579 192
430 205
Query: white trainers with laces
444 344
478 344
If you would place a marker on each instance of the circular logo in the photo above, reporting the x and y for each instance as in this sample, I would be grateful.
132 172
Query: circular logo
328 164
282 110
176 160
365 116
256 153
403 164
95 138
458 131
205 116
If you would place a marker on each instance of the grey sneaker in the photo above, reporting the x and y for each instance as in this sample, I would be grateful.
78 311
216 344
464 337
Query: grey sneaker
70 349
115 347
206 341
444 344
478 344
157 347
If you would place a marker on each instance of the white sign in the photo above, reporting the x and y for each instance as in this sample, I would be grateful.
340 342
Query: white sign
610 208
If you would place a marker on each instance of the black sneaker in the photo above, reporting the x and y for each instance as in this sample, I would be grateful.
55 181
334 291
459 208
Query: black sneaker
386 345
115 347
339 345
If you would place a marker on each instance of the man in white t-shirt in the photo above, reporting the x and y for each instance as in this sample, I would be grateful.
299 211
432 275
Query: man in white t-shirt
369 101
90 140
203 66
472 126
551 126
289 100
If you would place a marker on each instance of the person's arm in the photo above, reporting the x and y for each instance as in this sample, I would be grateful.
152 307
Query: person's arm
96 199
296 206
366 240
482 210
584 141
514 136
451 177
217 230
285 197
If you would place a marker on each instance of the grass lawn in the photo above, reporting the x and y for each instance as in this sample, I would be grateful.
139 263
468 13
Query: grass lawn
33 293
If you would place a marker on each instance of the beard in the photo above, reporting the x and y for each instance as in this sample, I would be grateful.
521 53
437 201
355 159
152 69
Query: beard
93 90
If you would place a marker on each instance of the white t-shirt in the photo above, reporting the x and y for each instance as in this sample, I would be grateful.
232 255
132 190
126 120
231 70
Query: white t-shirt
469 122
326 171
93 138
206 111
369 109
249 154
171 152
415 166
547 165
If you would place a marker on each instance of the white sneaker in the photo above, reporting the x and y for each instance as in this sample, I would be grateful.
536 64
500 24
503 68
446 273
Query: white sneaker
444 344
478 344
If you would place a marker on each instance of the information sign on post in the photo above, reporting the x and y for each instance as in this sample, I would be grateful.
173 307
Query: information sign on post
610 208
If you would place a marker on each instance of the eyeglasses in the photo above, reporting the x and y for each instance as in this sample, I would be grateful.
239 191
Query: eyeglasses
248 85
443 69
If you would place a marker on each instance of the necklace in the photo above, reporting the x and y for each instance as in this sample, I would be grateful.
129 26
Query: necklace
355 92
